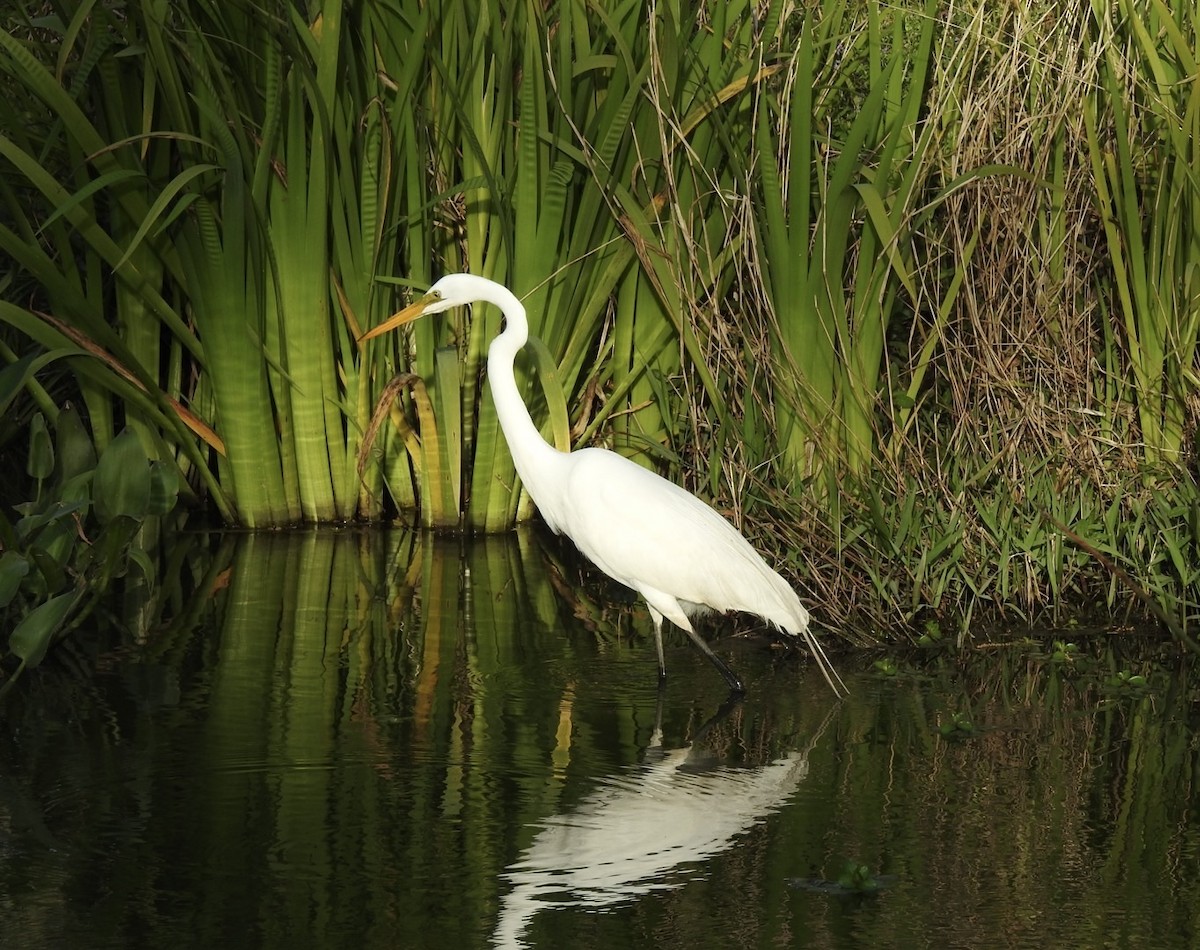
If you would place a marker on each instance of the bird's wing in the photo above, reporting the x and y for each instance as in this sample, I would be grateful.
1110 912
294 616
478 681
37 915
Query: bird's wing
646 531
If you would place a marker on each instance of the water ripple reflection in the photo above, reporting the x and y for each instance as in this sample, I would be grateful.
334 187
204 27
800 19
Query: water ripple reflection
379 740
639 831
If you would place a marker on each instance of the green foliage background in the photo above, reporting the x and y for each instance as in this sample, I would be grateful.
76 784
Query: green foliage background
908 289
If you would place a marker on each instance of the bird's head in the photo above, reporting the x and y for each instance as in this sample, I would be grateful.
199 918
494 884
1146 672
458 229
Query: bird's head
453 290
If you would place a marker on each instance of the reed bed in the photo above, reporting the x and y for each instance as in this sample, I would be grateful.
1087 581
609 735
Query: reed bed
909 289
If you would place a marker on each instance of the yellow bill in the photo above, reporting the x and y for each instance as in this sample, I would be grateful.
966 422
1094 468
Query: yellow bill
407 315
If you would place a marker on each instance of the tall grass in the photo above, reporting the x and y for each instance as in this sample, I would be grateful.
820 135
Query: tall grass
845 159
1032 405
917 279
1142 125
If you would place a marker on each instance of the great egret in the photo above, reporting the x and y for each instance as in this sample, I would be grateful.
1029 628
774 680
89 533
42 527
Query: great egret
637 527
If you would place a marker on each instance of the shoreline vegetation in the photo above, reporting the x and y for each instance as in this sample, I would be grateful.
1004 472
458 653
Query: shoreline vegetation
911 291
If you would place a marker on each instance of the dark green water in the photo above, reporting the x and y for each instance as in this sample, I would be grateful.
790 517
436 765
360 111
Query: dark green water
380 740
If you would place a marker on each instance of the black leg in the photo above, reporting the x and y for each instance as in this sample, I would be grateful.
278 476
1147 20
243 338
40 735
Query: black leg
735 684
662 663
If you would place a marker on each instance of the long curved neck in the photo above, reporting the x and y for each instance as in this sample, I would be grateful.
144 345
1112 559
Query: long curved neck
530 451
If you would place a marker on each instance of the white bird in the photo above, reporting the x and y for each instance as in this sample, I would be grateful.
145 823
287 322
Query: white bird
640 529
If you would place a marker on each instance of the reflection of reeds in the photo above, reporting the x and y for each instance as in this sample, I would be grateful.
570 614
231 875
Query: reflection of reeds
1072 795
352 735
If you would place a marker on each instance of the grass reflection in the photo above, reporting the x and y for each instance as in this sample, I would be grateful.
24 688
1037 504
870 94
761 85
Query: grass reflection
349 738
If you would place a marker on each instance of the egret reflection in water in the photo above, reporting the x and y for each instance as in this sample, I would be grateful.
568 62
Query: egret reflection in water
633 834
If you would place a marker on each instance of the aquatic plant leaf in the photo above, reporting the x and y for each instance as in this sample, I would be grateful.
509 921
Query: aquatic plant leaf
164 487
40 464
13 568
35 632
106 556
76 452
27 527
122 482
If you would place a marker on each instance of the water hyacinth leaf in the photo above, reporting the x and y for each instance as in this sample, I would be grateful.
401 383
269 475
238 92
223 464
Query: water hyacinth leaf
35 632
76 453
13 568
50 570
40 464
164 487
28 527
122 482
76 492
108 550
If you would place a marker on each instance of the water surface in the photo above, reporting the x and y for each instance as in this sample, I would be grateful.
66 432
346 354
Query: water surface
381 739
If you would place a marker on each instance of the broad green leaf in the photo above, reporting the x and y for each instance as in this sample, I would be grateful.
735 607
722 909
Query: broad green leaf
40 464
76 453
122 482
164 487
33 635
28 527
13 568
108 555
